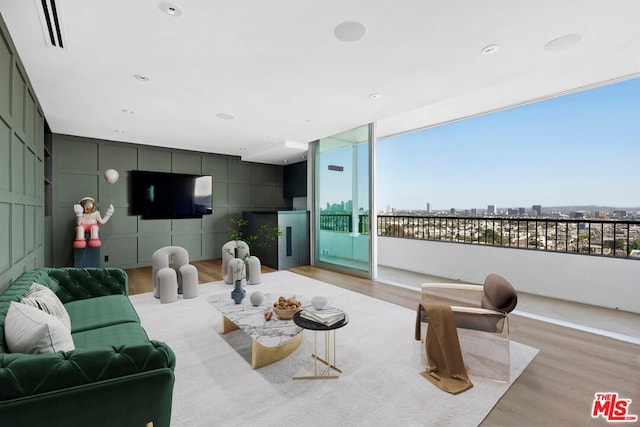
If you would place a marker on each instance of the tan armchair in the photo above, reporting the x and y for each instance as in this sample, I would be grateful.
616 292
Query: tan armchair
481 315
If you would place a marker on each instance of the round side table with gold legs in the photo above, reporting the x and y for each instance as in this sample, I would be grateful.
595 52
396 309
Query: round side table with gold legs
330 347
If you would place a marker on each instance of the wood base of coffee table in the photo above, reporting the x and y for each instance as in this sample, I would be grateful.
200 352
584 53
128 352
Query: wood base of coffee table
262 355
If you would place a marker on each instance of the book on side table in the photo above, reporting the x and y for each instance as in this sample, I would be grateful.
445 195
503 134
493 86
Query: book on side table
327 316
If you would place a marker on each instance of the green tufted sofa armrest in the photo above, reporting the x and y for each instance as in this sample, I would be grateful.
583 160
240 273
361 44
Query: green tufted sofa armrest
24 375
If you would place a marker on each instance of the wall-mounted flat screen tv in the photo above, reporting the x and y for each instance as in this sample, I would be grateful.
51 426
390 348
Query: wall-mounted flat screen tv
162 195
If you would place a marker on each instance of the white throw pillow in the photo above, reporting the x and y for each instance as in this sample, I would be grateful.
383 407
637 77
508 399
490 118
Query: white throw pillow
43 298
30 330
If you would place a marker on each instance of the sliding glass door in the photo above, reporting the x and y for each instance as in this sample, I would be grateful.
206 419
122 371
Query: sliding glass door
342 200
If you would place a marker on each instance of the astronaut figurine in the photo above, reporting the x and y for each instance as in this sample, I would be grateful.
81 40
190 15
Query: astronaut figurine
87 221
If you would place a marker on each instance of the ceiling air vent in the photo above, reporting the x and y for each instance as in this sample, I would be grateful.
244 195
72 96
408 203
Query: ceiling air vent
51 23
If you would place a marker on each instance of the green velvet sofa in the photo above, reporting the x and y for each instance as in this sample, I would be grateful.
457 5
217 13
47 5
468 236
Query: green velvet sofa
116 376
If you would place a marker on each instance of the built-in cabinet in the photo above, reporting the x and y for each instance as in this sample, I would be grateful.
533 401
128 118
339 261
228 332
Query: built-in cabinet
295 180
292 248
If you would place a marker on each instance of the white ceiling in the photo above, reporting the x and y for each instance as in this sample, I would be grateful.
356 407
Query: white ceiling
278 69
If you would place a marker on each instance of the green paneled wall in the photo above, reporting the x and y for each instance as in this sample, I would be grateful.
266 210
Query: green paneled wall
129 241
78 167
21 167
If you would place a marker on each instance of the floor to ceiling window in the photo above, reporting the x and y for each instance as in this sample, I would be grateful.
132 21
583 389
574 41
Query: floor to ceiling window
341 199
522 178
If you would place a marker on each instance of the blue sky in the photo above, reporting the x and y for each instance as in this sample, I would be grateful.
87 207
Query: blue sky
580 149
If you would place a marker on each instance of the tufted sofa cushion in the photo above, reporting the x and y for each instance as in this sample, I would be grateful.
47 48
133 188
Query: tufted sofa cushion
124 334
95 313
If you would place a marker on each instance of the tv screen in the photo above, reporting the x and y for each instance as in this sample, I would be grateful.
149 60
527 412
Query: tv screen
162 195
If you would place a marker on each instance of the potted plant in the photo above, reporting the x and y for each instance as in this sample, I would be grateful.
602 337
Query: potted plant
264 236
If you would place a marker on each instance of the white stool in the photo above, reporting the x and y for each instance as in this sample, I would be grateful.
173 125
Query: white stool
184 274
236 270
167 285
253 270
189 282
234 249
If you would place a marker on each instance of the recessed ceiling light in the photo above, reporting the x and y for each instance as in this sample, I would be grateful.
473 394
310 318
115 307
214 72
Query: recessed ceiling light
285 161
225 116
170 9
562 43
127 111
118 131
242 149
375 96
142 78
350 31
492 48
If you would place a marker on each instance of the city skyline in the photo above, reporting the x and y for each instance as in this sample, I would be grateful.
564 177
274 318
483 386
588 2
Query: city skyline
345 206
578 149
521 209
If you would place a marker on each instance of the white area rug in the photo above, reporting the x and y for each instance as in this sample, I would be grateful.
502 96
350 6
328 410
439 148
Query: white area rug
380 384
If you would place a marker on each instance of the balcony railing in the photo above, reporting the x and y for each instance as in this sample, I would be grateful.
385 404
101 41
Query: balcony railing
344 222
615 238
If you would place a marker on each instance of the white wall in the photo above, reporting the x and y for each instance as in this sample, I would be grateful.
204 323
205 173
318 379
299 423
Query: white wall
601 281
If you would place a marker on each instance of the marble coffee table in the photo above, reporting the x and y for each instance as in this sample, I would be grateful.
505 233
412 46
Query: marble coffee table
271 340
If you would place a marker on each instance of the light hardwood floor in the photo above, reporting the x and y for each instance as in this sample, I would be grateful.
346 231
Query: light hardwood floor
556 389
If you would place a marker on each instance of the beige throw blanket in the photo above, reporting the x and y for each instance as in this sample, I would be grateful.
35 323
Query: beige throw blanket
443 350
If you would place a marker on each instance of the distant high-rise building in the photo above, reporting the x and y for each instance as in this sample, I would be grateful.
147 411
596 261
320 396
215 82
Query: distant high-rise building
521 211
537 209
601 214
428 207
474 211
453 211
491 209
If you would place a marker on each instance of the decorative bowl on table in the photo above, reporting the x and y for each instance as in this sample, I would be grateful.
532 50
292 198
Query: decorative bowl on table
285 308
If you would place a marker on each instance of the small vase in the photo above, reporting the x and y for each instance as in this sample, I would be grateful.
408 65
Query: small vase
237 294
